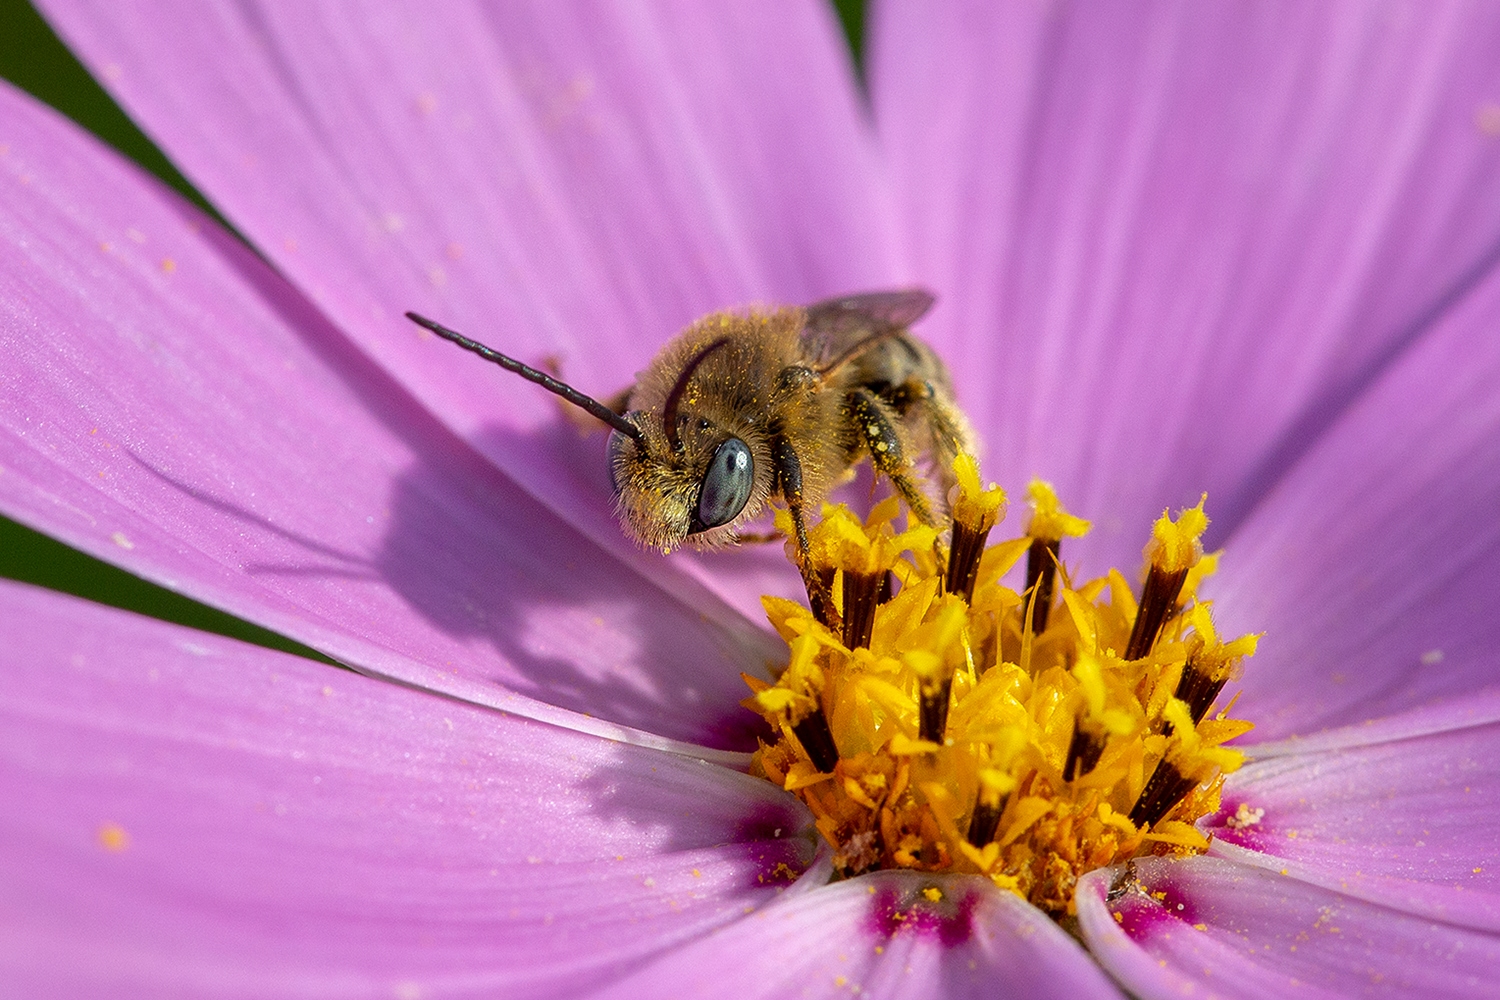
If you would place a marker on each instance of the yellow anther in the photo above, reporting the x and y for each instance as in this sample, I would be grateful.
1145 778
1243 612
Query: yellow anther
975 506
904 746
1050 521
776 701
1176 546
994 785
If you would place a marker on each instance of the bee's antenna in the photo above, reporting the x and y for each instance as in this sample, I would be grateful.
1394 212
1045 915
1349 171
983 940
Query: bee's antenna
572 395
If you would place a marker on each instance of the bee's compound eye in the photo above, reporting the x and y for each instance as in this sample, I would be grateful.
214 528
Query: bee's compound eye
619 445
726 485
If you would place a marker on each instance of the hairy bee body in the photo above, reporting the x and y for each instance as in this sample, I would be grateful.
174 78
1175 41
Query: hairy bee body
770 404
803 394
738 391
908 378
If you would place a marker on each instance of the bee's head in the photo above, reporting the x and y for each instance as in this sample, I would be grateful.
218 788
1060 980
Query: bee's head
693 491
694 469
678 476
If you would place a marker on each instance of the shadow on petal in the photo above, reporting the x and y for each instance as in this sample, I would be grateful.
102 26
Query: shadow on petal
479 558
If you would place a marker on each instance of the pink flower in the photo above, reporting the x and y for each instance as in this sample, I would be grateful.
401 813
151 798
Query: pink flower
1243 249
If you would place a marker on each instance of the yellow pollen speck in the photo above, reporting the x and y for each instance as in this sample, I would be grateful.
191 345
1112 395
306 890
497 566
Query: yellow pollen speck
168 265
123 542
956 731
112 837
1244 816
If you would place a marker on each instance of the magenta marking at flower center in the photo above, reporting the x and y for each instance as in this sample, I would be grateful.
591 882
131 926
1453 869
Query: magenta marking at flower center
944 910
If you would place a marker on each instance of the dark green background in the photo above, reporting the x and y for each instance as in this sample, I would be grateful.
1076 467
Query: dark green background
32 58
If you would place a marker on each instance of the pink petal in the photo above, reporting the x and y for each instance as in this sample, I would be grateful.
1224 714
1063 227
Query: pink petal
172 406
186 815
1205 926
879 936
1407 824
1374 566
1173 242
1477 708
562 180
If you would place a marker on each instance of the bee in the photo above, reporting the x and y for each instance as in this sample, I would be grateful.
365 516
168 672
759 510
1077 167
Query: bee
742 408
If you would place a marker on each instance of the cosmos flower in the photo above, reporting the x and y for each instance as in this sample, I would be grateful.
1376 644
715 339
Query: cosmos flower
1245 250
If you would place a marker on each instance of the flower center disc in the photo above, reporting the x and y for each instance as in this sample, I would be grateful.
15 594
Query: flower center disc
942 721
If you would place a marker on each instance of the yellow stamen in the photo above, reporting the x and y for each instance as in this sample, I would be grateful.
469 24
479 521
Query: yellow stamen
1174 550
950 733
1050 524
1175 545
973 505
975 511
1050 521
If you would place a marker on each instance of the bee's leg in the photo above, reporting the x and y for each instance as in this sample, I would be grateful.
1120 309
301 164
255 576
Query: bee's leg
922 405
881 436
789 484
951 434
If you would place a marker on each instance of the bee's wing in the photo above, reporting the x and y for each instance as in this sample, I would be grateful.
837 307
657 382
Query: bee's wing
838 330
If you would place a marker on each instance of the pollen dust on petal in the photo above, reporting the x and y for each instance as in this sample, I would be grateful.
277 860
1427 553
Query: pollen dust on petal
112 837
1245 816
